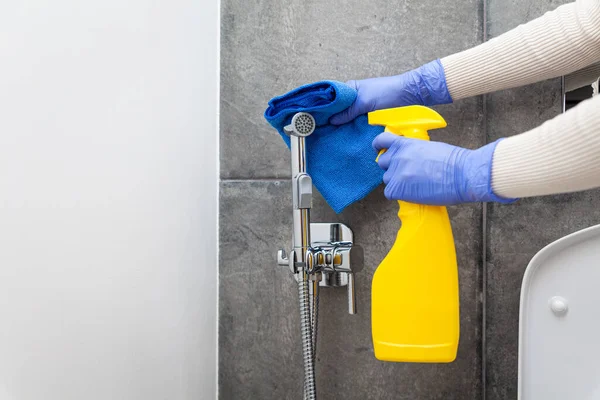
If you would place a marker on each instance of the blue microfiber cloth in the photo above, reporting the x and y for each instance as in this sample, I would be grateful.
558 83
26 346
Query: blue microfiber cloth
341 160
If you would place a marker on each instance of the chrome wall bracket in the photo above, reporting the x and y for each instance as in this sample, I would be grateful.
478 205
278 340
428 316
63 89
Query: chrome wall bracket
329 258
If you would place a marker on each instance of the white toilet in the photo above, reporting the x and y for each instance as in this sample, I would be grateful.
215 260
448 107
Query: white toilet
559 329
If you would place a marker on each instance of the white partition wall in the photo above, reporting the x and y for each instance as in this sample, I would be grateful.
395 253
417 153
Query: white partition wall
108 199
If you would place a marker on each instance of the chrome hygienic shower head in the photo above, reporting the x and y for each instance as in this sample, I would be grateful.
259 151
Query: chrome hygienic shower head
303 124
324 261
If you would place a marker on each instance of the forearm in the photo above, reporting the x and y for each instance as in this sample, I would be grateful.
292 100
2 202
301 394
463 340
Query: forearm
558 43
560 156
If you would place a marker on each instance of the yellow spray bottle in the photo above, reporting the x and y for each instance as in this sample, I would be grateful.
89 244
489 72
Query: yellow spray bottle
415 301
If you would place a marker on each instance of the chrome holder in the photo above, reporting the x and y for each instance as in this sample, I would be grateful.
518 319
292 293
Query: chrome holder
328 258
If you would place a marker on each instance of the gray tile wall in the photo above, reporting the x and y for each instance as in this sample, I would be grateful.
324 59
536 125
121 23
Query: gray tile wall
516 232
269 47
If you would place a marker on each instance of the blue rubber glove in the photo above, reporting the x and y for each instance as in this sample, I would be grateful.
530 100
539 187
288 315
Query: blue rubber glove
425 86
435 173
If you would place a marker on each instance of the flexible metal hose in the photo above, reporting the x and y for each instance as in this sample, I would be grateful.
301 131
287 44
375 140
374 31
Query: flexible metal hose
314 315
310 391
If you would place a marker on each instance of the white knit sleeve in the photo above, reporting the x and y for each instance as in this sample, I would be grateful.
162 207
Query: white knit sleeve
558 43
562 155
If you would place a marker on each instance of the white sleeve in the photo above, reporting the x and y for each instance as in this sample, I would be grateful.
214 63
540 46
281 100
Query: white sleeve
562 155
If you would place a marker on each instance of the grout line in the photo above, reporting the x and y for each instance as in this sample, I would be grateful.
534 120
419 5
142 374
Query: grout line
218 194
563 95
484 237
484 302
238 180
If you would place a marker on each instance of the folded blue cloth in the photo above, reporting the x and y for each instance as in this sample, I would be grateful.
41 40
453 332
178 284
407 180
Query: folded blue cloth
341 159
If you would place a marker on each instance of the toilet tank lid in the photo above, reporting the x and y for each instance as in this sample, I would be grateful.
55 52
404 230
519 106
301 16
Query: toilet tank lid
559 320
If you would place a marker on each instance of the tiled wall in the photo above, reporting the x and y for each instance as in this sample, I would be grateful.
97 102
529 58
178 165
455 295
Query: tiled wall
269 47
515 233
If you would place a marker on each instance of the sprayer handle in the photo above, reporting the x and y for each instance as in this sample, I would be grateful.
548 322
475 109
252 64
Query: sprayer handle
411 122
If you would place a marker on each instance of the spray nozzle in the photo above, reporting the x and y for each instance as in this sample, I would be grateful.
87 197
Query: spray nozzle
303 124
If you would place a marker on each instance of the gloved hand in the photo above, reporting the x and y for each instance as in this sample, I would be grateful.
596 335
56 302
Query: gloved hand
435 173
425 86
